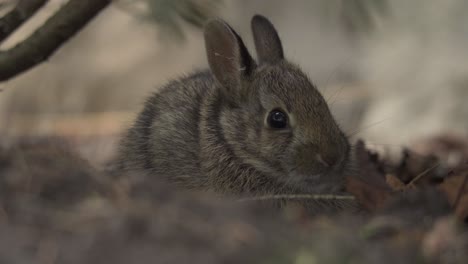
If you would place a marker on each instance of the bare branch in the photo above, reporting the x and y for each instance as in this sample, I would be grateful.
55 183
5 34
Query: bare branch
63 25
24 10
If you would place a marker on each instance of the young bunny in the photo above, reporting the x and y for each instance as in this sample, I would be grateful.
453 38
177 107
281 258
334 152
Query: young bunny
241 128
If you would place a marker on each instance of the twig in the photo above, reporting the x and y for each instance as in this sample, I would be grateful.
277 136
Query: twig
298 196
64 24
24 10
419 176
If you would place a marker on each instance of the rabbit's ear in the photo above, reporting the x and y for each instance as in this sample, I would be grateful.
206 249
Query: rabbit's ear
228 57
267 41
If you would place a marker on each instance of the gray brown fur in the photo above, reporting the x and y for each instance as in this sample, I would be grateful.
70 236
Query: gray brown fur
207 131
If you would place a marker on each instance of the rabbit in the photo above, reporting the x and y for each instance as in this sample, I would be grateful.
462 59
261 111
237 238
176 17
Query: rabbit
242 127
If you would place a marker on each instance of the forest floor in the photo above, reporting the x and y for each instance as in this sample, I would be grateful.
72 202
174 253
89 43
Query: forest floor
56 207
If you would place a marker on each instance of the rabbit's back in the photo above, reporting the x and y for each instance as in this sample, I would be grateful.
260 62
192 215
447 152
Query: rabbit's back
164 141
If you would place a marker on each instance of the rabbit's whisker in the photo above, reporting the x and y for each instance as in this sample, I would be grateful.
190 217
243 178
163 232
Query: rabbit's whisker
299 197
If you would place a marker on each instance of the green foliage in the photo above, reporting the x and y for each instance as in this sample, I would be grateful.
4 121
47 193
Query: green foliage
170 14
356 16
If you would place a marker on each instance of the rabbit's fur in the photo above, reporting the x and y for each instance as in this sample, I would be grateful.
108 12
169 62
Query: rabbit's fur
209 130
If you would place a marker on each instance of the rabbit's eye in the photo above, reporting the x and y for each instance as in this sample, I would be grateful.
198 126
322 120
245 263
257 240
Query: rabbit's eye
277 119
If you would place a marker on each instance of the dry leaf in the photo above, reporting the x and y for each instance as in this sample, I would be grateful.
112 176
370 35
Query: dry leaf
456 189
369 185
394 182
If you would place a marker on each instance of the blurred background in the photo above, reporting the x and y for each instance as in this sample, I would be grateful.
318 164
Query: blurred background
393 71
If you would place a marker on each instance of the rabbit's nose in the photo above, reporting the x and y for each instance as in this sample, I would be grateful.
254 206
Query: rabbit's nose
309 160
322 161
329 160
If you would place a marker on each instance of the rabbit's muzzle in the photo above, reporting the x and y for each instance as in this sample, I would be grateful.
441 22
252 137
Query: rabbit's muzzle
318 161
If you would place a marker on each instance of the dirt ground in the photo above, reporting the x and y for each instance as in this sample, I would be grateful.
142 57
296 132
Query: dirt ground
57 208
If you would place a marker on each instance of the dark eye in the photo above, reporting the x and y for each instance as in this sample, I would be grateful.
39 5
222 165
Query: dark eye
277 119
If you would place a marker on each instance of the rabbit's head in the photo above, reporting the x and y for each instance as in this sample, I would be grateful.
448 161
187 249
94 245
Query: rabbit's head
272 117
